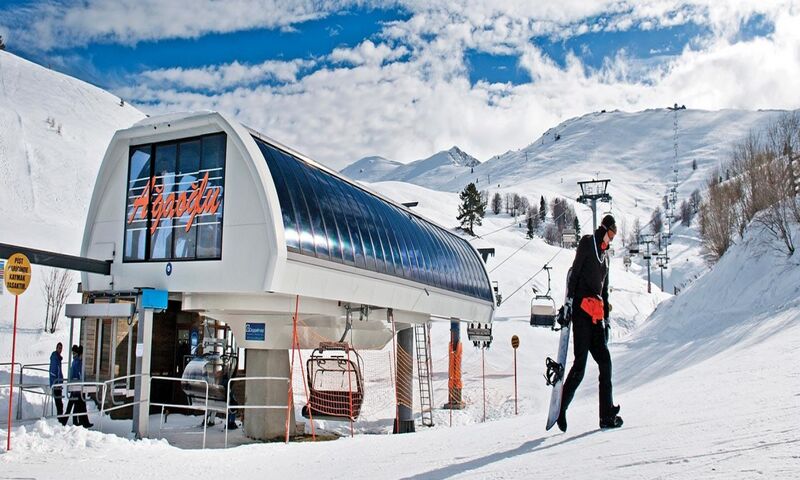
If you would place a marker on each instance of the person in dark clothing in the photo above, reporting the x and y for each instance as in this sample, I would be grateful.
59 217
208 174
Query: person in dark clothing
76 404
587 298
57 378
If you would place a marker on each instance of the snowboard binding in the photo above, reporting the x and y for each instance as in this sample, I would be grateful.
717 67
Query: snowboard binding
555 371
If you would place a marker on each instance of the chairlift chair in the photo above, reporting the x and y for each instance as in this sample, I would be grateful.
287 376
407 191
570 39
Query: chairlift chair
335 383
497 296
543 307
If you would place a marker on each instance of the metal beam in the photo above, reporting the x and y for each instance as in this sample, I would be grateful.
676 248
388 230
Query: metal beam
59 260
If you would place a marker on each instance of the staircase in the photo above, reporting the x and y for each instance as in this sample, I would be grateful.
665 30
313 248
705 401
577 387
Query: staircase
424 367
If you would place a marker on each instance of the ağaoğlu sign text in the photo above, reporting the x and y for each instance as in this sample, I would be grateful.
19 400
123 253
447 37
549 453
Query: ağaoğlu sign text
201 200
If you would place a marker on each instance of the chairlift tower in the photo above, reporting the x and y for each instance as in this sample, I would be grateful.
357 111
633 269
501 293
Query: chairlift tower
662 262
647 239
593 191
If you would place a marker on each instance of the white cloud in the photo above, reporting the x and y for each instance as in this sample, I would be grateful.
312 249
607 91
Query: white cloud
48 25
220 77
405 93
408 109
367 53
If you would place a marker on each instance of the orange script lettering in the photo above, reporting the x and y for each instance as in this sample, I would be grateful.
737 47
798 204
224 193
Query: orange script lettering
201 200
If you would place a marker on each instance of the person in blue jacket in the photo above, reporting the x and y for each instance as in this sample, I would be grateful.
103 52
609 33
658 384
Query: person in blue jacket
57 378
76 404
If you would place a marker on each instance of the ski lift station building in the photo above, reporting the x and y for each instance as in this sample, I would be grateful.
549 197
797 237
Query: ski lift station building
238 229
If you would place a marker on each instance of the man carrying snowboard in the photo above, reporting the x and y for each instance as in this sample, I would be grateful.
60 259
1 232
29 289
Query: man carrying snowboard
587 298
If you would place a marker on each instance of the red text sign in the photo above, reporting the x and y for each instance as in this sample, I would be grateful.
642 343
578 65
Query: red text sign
201 200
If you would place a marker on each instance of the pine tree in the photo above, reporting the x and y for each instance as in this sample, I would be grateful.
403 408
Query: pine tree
530 227
657 221
542 209
2 45
497 203
472 208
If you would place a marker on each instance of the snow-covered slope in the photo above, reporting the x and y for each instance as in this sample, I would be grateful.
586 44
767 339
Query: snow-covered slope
635 150
432 172
370 169
53 133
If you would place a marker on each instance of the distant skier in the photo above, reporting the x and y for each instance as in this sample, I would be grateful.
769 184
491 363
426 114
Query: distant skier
587 298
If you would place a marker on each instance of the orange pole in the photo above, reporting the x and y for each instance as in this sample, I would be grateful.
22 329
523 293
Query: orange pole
11 390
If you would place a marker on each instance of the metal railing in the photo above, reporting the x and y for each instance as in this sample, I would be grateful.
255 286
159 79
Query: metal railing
204 408
81 388
11 364
35 367
106 390
42 390
245 407
108 385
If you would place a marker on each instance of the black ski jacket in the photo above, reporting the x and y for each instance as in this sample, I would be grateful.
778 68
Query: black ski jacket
589 271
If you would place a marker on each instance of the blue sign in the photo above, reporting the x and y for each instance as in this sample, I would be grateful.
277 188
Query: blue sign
155 299
254 331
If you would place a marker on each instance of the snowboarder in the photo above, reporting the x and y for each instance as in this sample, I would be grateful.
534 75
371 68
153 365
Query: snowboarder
587 298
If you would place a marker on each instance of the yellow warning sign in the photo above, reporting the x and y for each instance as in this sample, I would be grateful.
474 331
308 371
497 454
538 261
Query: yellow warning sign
17 274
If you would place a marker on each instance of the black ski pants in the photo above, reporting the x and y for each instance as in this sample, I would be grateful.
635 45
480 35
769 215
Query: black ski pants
589 338
57 398
77 407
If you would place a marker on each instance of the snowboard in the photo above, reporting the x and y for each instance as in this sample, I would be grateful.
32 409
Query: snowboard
556 369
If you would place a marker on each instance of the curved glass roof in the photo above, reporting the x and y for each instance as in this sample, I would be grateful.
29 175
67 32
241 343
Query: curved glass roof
330 219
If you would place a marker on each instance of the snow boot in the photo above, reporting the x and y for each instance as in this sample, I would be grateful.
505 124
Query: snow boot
562 421
613 421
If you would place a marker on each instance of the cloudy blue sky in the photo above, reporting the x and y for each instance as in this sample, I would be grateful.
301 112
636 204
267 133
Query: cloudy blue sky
343 79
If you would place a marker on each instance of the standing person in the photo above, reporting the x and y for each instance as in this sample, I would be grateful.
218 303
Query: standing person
76 404
587 296
57 378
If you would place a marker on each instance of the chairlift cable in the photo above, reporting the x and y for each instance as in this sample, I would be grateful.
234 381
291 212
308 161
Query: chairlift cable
523 245
537 273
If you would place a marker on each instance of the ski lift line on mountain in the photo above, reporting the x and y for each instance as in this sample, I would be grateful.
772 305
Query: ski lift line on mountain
523 246
537 273
514 223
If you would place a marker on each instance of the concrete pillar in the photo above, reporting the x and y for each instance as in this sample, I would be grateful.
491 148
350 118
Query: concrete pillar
144 343
404 373
267 424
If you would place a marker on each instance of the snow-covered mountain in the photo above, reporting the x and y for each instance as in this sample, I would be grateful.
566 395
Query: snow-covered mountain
371 169
635 150
54 130
432 172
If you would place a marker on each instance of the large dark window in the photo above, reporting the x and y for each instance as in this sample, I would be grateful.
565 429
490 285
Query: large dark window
175 200
328 218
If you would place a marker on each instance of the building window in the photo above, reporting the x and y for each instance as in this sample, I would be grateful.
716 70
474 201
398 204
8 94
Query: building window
175 200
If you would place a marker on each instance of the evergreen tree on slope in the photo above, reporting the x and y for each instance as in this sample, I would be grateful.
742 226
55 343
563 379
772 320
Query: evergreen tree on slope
472 208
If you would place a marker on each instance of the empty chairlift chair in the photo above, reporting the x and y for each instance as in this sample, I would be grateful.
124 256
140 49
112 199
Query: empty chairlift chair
543 307
216 369
336 387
